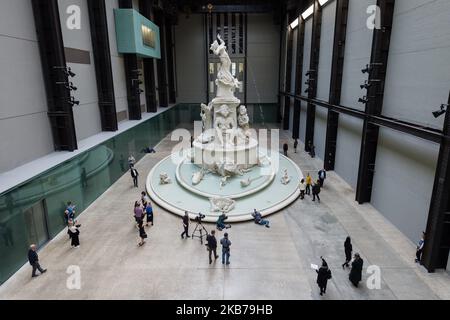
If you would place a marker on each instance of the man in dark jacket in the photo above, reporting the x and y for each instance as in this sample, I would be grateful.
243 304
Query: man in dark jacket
322 174
212 245
323 275
34 261
285 149
134 175
185 225
316 191
356 272
226 243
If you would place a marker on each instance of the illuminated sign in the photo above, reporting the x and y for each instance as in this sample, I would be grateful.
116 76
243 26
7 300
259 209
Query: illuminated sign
148 37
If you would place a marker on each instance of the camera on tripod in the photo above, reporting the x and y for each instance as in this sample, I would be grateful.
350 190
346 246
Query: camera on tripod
199 217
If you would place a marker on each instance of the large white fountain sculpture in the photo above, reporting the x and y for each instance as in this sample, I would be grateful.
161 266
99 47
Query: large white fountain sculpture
225 146
226 171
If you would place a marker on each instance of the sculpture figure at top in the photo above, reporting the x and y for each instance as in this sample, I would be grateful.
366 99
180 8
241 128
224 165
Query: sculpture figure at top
224 76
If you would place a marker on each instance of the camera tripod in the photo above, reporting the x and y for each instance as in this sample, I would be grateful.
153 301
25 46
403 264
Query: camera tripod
199 228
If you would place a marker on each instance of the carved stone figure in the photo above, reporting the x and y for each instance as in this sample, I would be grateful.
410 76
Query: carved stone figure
205 114
244 123
224 76
246 182
164 178
197 177
285 179
224 205
224 126
223 181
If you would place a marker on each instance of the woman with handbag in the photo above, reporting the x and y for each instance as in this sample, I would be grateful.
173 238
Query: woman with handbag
323 275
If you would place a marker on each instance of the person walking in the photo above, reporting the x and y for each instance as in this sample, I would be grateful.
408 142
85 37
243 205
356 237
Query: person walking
295 145
355 275
285 149
348 248
308 184
142 234
185 225
74 236
302 188
323 275
316 191
226 243
138 213
322 174
211 244
33 259
149 213
419 250
134 174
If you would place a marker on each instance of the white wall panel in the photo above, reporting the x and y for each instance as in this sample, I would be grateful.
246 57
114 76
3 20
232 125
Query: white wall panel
417 82
23 103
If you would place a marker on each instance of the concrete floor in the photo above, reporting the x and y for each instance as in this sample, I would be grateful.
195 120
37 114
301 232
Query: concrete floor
265 263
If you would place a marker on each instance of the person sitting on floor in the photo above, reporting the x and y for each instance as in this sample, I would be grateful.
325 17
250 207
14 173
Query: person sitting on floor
220 224
148 150
259 220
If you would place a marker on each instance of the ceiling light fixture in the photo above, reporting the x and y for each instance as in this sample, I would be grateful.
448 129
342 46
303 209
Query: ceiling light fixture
308 12
294 24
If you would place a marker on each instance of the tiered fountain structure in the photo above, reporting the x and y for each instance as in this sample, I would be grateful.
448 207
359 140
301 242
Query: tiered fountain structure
225 171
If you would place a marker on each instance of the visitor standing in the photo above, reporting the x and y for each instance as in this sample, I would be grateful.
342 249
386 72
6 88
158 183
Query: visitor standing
69 213
355 275
74 236
308 184
33 258
142 233
226 243
211 244
322 176
144 199
134 175
295 145
419 250
316 191
302 188
185 225
348 248
149 213
285 149
323 275
138 213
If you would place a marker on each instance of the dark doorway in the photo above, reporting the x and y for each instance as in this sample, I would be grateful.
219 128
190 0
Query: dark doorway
36 224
